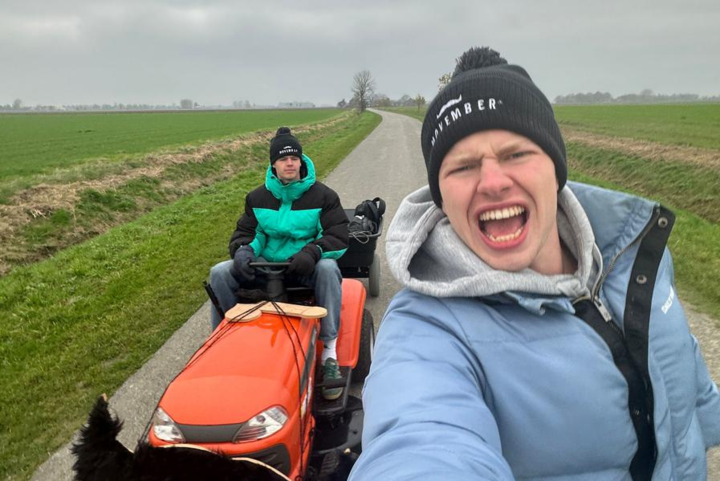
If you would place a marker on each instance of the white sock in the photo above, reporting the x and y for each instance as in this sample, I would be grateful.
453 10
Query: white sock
329 350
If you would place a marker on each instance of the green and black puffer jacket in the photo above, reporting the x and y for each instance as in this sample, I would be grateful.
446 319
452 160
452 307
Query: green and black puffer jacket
280 220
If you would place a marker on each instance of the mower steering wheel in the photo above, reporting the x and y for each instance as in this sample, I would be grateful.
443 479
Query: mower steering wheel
270 267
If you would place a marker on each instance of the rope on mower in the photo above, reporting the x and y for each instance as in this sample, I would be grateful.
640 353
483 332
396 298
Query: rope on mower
286 320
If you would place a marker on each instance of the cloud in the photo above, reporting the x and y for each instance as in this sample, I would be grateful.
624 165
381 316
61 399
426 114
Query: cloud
217 51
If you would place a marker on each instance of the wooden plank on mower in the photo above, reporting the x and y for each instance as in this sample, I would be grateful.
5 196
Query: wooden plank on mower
250 312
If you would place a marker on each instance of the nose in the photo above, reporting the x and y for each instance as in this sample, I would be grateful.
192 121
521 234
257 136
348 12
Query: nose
493 179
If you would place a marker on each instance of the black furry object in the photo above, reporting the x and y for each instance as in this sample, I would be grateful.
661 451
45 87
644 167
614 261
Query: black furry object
99 454
101 457
478 57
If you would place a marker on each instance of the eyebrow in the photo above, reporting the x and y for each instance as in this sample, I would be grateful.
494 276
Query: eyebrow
463 157
513 146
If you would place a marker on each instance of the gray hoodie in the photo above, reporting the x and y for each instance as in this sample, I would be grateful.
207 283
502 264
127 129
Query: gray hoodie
427 256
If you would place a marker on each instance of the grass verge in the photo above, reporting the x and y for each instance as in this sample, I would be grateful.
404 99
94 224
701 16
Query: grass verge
82 322
418 113
678 184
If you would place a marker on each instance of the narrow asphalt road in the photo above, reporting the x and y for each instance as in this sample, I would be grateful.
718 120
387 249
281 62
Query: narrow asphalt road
387 164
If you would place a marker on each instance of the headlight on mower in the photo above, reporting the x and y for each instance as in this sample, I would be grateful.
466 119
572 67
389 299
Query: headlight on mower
263 425
165 428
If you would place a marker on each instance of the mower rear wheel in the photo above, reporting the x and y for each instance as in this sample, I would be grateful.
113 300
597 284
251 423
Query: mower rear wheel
374 276
367 344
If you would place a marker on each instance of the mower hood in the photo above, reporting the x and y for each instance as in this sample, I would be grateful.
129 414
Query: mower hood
242 370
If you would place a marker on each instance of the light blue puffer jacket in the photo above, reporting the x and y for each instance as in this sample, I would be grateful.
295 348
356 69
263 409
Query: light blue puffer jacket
473 379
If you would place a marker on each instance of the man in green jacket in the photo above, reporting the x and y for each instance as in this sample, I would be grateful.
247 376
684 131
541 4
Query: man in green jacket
294 218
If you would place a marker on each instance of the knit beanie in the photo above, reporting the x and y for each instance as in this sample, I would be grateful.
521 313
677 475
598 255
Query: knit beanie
487 93
284 143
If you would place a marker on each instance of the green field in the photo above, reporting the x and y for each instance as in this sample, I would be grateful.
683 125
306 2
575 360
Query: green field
37 143
81 322
696 125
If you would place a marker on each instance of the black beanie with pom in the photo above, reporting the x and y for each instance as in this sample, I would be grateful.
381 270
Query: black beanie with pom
487 93
284 143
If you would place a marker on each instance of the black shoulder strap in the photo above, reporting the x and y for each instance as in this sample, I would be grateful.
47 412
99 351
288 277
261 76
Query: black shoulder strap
638 306
643 462
630 352
642 284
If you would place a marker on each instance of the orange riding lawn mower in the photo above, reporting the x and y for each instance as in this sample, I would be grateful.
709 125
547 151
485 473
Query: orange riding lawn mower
247 405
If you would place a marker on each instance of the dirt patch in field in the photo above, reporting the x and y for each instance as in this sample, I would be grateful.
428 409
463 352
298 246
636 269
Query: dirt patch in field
42 200
646 149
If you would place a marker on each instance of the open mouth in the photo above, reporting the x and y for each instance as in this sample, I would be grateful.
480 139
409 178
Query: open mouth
503 225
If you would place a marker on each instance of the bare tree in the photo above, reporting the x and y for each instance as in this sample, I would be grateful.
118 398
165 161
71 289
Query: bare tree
17 104
419 101
363 87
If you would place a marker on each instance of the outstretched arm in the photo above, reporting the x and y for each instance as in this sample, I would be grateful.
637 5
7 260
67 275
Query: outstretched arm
425 416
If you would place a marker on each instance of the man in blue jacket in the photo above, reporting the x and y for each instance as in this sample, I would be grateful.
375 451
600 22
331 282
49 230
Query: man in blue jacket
292 217
539 335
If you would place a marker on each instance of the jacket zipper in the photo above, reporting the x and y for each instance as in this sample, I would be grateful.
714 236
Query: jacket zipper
595 294
607 317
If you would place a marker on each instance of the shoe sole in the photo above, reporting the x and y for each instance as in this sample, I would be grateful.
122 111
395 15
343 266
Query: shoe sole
332 396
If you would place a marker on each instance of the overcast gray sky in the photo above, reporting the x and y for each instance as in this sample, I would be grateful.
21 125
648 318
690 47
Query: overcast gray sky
218 51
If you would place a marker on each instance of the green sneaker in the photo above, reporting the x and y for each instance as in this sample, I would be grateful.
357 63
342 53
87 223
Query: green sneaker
331 371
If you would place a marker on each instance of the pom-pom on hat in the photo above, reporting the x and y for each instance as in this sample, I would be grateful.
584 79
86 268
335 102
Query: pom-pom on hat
284 143
487 93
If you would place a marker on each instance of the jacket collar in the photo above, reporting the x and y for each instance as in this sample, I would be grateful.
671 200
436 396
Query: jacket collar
617 219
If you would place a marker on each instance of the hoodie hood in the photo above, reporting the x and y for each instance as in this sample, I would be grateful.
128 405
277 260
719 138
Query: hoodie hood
426 255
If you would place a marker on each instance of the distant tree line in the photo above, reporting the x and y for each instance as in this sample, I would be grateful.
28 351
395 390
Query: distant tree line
647 96
18 106
381 100
185 104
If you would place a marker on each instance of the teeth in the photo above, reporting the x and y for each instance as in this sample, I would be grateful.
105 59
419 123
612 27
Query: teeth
502 214
505 238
